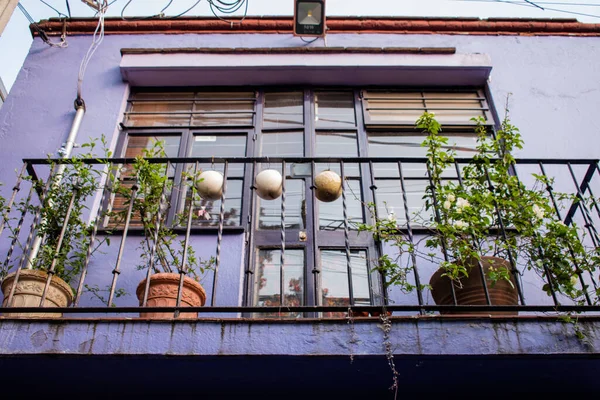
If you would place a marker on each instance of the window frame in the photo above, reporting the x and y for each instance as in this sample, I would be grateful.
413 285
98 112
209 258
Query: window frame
186 134
317 239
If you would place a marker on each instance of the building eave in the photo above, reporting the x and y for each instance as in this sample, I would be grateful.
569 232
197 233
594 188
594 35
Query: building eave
335 25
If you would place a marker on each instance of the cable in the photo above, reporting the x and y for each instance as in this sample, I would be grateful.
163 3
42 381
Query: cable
539 2
533 4
159 15
96 40
68 8
124 7
530 4
58 12
228 8
63 43
165 7
308 41
555 9
188 10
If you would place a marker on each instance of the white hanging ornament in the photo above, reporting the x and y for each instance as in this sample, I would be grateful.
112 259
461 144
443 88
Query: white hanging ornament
210 185
328 186
268 184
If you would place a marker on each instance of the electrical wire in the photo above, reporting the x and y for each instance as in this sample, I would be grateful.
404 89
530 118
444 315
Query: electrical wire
159 15
124 7
58 12
533 4
309 41
228 8
529 4
188 10
63 43
556 10
165 7
96 40
540 2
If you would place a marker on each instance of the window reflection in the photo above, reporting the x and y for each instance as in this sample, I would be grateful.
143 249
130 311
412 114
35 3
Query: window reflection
334 279
283 110
267 283
334 109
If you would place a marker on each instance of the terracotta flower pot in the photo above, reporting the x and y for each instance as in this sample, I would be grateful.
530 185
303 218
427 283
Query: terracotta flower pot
163 293
472 293
28 293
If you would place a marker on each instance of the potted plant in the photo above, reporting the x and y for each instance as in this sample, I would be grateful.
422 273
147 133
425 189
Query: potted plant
487 222
160 248
64 232
490 224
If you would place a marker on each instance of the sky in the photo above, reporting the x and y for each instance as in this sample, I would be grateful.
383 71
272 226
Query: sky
16 38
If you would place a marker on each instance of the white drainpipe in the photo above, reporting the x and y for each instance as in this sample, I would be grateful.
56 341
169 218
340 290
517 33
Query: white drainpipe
65 152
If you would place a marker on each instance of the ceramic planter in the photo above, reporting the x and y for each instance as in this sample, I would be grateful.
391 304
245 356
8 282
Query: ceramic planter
163 293
472 293
28 293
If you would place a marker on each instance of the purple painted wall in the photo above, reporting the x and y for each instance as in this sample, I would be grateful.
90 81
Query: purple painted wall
554 83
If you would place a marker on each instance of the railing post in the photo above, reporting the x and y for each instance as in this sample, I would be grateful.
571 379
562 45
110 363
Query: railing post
219 237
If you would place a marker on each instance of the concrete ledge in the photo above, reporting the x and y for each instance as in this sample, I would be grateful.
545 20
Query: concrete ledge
185 68
363 337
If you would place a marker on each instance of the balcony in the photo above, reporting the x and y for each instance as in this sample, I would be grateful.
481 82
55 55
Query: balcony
105 273
105 319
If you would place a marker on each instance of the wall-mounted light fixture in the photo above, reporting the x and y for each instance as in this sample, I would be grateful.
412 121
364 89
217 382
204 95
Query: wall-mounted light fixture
309 18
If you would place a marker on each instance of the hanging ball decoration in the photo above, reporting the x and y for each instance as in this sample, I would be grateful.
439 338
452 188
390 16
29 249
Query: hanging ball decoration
210 185
268 184
328 186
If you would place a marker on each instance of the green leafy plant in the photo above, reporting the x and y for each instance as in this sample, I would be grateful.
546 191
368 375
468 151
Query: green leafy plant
386 230
492 213
63 213
489 212
160 246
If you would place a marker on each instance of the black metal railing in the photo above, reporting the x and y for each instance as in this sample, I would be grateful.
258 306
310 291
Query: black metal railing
38 178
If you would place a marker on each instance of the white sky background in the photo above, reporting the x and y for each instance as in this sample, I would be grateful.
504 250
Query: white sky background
16 39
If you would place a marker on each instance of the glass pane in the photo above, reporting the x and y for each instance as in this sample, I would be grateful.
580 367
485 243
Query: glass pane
334 109
207 212
466 105
160 109
269 211
337 144
283 110
220 146
334 279
187 108
386 144
267 284
405 108
162 96
394 107
390 202
137 144
331 215
224 108
120 205
282 144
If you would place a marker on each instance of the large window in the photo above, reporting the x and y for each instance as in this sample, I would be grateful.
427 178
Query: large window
325 260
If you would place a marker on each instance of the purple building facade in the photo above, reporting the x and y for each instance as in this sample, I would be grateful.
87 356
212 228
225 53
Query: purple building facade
254 92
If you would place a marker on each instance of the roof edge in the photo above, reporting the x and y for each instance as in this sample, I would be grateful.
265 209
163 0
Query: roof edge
363 25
